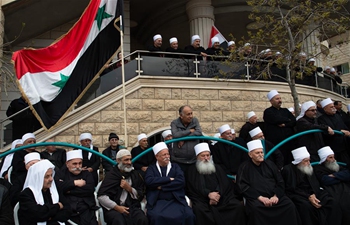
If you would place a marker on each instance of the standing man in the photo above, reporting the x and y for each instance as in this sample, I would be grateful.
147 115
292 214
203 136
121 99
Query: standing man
195 47
111 151
262 185
211 193
186 125
279 124
166 203
248 126
121 192
56 156
146 160
78 187
157 43
174 46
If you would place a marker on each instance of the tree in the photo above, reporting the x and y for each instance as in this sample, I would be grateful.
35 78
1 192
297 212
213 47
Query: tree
289 25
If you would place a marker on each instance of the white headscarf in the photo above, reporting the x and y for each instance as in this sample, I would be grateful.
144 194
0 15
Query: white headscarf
35 180
304 107
9 157
84 136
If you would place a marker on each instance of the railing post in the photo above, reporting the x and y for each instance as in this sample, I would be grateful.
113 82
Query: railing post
196 62
139 59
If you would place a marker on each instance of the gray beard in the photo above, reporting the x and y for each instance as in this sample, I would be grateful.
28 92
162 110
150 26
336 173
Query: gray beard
124 168
334 166
205 168
308 170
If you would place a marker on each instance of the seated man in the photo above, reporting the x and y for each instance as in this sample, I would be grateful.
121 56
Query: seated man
335 179
248 126
6 212
40 202
166 203
213 199
56 156
78 187
313 203
121 192
262 185
142 163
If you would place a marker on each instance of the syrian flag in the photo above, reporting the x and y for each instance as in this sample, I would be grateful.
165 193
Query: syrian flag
216 33
53 79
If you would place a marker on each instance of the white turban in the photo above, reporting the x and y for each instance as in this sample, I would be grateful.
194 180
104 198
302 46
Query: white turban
304 107
272 94
324 152
123 152
231 43
84 136
224 128
173 39
159 147
16 142
195 37
141 136
27 136
326 102
157 36
166 133
255 144
255 132
299 155
250 114
8 159
75 154
201 147
31 156
214 40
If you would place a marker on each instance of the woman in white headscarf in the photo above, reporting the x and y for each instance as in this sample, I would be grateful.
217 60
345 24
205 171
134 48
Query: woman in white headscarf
39 202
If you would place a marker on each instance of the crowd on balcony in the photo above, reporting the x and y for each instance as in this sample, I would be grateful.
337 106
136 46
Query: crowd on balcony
192 181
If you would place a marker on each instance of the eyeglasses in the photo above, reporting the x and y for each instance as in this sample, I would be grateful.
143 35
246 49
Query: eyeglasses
311 110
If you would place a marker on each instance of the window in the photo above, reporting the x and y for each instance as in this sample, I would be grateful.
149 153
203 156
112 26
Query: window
343 68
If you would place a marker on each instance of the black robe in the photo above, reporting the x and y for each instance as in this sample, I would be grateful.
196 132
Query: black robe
244 132
228 211
145 160
345 117
81 199
338 187
30 213
93 162
314 141
18 166
338 143
276 157
58 157
265 180
192 50
299 187
274 117
6 211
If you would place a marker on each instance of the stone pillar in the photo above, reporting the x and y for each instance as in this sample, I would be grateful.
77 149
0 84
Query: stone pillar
201 18
312 45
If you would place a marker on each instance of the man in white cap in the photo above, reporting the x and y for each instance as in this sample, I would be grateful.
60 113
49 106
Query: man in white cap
56 156
279 124
211 193
339 143
78 187
40 202
91 162
276 157
195 47
262 185
307 120
231 46
17 184
166 135
6 163
146 160
313 203
229 157
174 46
121 192
157 43
335 179
215 50
185 125
165 183
248 126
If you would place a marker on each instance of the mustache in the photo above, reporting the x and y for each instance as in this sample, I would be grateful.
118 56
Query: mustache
77 169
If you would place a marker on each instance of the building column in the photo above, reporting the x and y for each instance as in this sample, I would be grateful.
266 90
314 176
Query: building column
312 45
201 18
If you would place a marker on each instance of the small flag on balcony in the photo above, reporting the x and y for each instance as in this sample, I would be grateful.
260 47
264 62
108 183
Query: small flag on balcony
53 79
216 33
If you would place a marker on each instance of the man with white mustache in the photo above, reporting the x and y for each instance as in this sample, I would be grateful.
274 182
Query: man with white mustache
211 192
78 187
335 179
313 203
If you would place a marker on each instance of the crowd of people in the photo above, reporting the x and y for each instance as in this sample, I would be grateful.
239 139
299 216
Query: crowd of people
192 181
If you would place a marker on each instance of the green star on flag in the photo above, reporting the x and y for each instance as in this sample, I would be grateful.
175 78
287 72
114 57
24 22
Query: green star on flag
61 82
101 15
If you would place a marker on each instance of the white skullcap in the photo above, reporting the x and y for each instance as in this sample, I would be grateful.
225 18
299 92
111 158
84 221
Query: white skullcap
255 131
74 154
324 152
250 114
299 155
84 136
217 135
267 50
16 142
31 156
201 147
332 69
255 144
262 52
326 102
166 133
291 109
327 68
233 131
302 54
159 147
173 39
304 107
348 106
231 43
214 40
312 60
157 36
141 136
122 152
27 136
272 94
246 44
278 53
224 128
195 37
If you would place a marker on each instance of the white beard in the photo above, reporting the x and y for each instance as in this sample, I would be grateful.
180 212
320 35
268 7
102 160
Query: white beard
334 166
205 167
124 168
308 170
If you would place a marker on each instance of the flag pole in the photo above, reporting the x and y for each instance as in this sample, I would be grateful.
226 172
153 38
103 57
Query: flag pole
123 78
